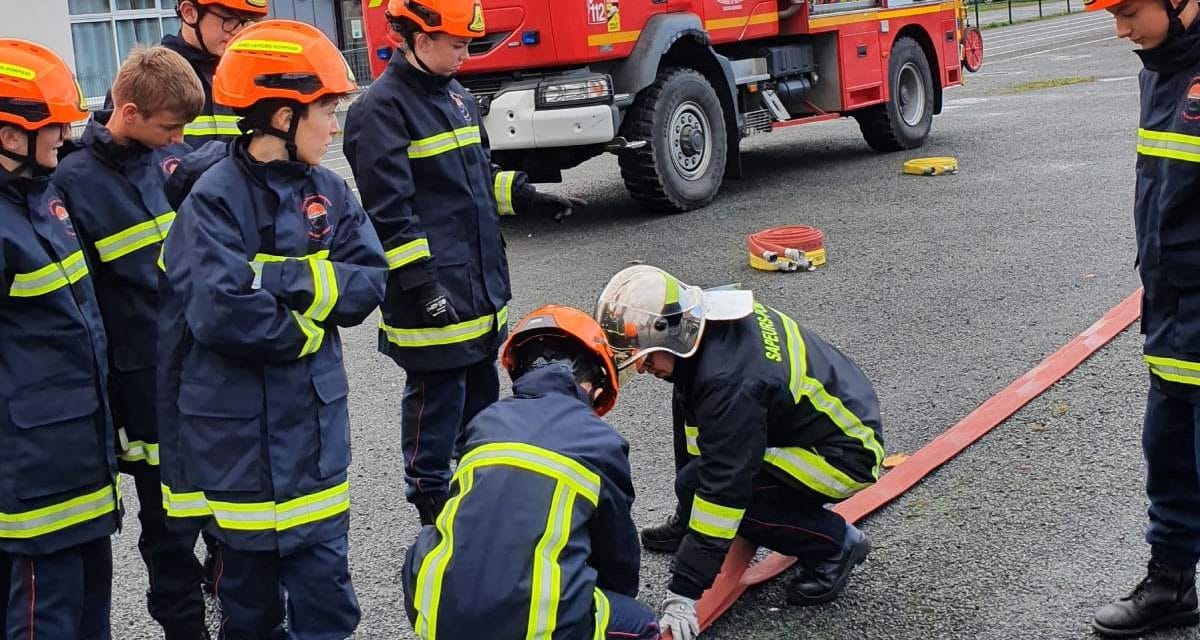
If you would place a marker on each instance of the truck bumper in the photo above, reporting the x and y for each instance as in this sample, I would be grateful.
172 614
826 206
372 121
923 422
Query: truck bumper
514 122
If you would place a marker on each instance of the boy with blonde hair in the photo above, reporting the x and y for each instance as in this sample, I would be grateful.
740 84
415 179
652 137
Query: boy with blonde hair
114 187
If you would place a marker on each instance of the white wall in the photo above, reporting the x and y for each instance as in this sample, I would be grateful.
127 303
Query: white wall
43 21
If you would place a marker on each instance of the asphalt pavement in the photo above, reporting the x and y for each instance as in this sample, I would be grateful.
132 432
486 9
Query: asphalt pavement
943 289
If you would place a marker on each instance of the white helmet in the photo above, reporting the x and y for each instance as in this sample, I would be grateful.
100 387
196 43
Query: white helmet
645 309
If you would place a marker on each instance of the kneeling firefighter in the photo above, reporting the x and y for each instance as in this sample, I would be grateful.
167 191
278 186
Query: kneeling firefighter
771 424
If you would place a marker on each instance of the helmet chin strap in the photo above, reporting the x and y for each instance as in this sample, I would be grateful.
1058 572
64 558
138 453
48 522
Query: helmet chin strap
201 10
288 137
1175 25
29 159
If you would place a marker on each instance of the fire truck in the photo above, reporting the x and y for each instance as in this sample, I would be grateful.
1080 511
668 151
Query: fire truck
673 86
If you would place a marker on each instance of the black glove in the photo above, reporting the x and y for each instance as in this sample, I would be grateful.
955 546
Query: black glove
434 304
552 205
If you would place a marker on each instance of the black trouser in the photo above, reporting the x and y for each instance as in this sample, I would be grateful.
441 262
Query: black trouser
67 594
1172 448
437 405
167 546
782 517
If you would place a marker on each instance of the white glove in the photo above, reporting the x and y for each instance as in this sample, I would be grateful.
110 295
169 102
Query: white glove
679 617
257 268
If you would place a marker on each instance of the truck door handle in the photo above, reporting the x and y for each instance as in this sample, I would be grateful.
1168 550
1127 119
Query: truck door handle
862 50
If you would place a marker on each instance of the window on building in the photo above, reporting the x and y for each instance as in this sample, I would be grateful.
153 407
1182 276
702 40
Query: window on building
104 31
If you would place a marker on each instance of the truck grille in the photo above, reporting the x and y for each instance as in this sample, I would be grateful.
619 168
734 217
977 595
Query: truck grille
756 122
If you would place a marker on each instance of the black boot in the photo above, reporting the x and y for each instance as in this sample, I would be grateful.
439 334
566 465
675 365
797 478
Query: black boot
1164 599
665 538
198 633
824 580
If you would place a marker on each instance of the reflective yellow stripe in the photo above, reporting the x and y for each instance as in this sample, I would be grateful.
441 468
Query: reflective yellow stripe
504 194
213 126
692 436
162 263
268 257
1173 370
138 451
433 567
803 386
443 142
813 471
260 516
554 465
408 253
314 333
325 290
603 613
136 237
49 278
56 517
715 520
441 336
546 584
1164 144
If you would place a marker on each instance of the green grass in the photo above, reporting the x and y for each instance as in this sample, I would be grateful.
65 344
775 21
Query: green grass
1052 83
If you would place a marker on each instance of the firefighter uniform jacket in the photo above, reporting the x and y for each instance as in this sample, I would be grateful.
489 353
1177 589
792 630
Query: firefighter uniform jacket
538 523
1168 199
264 262
115 195
423 168
215 122
764 394
58 484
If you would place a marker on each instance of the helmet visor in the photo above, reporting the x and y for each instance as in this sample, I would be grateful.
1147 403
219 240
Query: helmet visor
644 309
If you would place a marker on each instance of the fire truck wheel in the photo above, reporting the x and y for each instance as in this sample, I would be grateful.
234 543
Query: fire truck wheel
904 121
684 163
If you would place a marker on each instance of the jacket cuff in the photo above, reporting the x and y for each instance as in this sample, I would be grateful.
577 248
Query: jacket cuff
272 277
685 586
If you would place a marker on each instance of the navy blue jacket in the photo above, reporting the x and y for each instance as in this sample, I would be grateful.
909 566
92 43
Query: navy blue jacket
541 478
261 436
215 122
115 195
422 165
1168 200
763 393
58 485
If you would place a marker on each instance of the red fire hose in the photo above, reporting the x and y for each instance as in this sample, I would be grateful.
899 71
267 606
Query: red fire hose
791 248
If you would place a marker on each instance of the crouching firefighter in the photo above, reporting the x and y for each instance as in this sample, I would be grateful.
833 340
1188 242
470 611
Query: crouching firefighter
546 480
269 255
59 495
771 424
422 163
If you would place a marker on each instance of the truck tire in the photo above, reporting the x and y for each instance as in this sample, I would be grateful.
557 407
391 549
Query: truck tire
903 122
683 164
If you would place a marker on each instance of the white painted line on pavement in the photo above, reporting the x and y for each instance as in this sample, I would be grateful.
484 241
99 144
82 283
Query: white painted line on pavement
1120 79
1070 46
1057 25
1024 45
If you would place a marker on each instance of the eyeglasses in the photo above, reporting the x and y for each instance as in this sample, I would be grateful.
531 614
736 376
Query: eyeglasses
231 23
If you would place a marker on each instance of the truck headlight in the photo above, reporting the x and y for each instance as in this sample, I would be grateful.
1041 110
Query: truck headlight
575 92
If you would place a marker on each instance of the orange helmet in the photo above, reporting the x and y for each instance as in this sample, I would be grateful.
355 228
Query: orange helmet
280 59
554 321
253 7
463 18
36 87
1097 5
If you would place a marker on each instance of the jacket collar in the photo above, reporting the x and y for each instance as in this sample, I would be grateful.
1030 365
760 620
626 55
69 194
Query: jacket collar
199 58
98 139
430 83
552 379
271 173
17 189
1178 53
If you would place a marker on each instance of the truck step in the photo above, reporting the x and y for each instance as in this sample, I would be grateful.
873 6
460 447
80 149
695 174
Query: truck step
775 106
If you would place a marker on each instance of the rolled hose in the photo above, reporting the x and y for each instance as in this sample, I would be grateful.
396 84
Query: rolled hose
790 248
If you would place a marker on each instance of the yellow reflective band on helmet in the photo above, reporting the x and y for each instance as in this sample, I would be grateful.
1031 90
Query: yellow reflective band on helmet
504 194
441 143
714 520
1164 144
603 613
805 387
551 464
1173 370
441 336
260 516
408 253
314 335
213 126
56 517
138 451
325 290
139 236
433 568
813 471
671 291
49 278
16 71
269 46
692 437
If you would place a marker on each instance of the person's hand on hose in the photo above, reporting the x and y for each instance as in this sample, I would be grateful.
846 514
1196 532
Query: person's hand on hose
553 205
679 617
434 304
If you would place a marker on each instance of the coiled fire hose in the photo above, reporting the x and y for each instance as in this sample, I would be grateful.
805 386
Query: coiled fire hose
791 248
